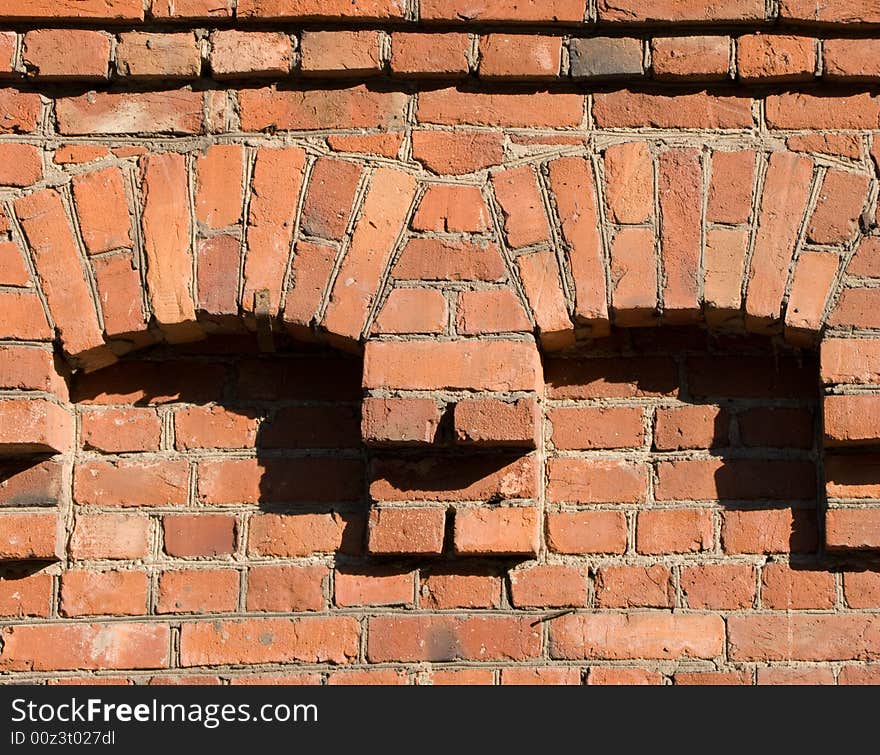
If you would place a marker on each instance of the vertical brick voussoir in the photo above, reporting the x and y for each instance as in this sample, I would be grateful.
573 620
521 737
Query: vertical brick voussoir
168 243
786 192
518 193
813 282
634 278
278 177
540 276
385 211
102 210
62 276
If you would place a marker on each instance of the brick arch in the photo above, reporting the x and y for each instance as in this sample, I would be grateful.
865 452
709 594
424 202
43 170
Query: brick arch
451 284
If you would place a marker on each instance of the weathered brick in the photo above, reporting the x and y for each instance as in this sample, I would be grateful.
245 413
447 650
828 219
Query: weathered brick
250 53
406 531
158 56
102 209
606 58
413 310
66 54
175 112
457 152
425 55
629 178
586 532
498 531
697 58
674 531
775 57
339 53
520 56
91 593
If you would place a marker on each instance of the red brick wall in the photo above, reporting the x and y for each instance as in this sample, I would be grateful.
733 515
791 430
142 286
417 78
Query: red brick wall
385 331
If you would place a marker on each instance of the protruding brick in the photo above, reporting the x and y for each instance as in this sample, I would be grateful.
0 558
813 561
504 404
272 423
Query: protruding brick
633 278
451 107
520 56
775 57
20 164
852 528
177 112
340 53
697 58
399 420
92 593
30 426
813 283
407 531
29 537
110 536
250 53
158 56
606 58
66 54
628 109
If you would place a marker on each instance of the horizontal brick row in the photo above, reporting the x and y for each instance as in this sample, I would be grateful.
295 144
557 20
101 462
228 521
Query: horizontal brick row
223 54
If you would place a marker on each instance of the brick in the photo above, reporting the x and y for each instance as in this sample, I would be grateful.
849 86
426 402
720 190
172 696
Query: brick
690 427
449 638
620 636
586 532
197 591
739 11
273 680
465 365
725 587
730 191
854 59
399 420
190 9
449 260
176 112
635 587
413 310
680 186
450 590
737 479
13 271
851 419
847 360
158 56
629 179
320 9
66 54
427 55
188 536
29 537
540 676
277 480
22 316
102 210
572 185
493 422
497 531
814 279
807 637
784 587
856 308
520 56
633 277
775 57
30 482
34 426
285 536
596 427
407 531
627 109
110 536
449 208
859 675
29 368
25 595
749 377
277 182
250 53
384 212
518 193
596 481
451 107
796 110
384 144
332 188
607 675
697 58
374 588
439 478
119 294
20 165
839 204
324 639
91 593
843 145
540 276
495 310
340 53
770 531
217 290
795 676
866 261
167 233
606 58
714 678
724 259
219 178
367 677
185 680
287 588
674 531
58 647
59 269
851 476
120 430
834 11
19 111
214 427
310 109
457 153
852 528
503 10
8 40
311 427
310 274
776 427
326 379
862 589
131 483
